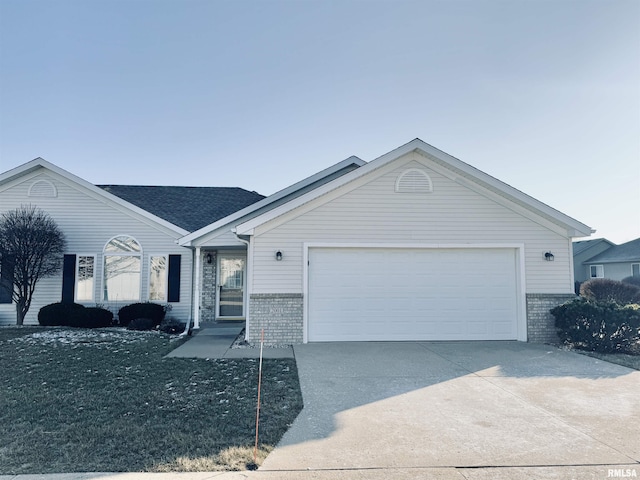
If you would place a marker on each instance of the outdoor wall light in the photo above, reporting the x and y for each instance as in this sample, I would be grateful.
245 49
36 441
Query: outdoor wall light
549 257
279 255
209 258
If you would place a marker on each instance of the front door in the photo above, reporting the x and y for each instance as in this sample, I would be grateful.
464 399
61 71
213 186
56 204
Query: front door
230 298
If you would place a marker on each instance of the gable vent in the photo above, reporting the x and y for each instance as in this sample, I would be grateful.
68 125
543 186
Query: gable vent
414 181
42 188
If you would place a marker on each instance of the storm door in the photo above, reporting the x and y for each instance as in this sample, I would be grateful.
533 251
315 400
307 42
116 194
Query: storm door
231 281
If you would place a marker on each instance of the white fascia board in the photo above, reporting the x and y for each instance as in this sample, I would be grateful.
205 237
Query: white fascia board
189 239
573 227
33 165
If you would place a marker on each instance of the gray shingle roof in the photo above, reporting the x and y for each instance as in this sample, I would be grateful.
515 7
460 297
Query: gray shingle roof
190 208
582 245
627 252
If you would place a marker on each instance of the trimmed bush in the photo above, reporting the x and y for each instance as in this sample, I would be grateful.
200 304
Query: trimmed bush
152 311
74 315
605 290
172 326
59 314
141 324
95 317
632 281
602 327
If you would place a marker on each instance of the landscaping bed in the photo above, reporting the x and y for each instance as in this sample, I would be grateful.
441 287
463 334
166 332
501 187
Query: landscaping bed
76 400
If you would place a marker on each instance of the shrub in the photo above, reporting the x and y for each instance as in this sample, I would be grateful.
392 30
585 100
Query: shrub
59 314
172 325
603 327
605 290
152 311
141 324
74 315
94 317
632 281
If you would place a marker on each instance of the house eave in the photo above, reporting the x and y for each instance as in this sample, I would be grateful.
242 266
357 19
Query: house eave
192 238
40 163
467 173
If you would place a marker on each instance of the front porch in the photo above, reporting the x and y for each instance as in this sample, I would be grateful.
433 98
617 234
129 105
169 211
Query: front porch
220 286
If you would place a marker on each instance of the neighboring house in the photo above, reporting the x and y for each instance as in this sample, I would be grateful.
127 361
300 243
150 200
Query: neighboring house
583 250
604 259
415 245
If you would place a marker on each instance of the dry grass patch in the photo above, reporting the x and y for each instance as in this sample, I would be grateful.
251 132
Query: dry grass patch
107 400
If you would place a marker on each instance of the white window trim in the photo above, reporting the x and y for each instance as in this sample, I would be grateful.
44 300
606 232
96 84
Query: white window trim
77 277
596 266
638 264
106 254
166 276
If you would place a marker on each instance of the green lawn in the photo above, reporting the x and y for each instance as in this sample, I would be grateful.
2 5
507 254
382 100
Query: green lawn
106 400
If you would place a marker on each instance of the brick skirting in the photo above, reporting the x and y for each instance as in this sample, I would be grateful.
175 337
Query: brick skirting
540 323
281 316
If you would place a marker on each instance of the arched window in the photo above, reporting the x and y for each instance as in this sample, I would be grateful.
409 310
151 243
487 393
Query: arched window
414 180
122 267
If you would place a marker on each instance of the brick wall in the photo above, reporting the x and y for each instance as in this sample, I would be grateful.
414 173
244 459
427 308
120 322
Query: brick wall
281 316
208 288
540 323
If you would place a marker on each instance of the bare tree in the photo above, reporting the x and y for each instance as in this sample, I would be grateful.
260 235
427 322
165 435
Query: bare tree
31 248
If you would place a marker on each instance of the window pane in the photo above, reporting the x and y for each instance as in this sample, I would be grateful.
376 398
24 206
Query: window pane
84 286
158 278
232 272
122 244
121 277
635 269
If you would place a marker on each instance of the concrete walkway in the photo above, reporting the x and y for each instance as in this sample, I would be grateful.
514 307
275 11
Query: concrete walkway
215 341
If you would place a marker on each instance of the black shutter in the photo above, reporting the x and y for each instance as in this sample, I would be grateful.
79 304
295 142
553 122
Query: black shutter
173 284
6 280
68 279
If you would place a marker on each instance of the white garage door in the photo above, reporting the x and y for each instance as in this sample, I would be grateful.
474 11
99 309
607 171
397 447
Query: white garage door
357 294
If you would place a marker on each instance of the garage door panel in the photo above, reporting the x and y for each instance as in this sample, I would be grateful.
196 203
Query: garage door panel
411 294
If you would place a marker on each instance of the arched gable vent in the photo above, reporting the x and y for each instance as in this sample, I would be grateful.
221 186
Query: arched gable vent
414 180
42 188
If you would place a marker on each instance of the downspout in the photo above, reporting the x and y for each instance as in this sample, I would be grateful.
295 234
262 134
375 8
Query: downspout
249 282
195 304
196 290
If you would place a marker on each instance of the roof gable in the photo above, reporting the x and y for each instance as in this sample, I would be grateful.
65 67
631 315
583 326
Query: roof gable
456 170
39 163
279 198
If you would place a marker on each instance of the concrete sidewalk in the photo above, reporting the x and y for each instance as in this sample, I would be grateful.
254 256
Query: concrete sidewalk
216 340
561 472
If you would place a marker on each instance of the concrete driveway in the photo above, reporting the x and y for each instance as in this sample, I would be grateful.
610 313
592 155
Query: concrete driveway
460 410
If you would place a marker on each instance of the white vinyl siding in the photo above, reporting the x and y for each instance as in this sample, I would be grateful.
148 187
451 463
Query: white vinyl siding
74 209
372 212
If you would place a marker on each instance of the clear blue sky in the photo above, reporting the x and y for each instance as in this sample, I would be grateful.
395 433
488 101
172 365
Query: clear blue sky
544 95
